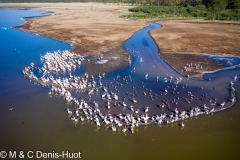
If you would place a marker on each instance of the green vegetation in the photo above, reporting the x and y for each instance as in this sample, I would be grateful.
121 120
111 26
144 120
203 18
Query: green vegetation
227 10
168 12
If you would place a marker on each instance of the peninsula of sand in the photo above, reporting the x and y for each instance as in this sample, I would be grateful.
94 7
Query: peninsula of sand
96 29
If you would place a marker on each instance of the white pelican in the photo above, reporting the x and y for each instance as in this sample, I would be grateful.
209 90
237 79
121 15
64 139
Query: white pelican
222 104
182 124
114 128
146 76
235 78
68 111
146 110
124 129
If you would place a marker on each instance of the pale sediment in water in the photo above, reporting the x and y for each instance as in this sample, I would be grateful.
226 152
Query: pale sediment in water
102 61
117 59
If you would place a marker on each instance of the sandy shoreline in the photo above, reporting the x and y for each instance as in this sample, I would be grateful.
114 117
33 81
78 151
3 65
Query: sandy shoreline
96 29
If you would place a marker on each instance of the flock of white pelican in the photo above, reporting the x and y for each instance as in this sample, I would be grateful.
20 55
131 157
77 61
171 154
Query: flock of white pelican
108 97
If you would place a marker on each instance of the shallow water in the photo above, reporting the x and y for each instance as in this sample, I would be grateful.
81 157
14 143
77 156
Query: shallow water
39 122
225 61
131 82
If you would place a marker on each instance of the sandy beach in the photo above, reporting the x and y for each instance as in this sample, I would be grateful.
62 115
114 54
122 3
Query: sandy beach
95 29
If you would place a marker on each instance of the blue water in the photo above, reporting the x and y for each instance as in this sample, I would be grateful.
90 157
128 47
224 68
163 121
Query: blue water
142 46
19 49
39 122
224 61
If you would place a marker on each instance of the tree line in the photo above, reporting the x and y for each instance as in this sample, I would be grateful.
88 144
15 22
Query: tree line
223 4
208 9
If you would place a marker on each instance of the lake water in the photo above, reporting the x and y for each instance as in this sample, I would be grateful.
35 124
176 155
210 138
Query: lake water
38 122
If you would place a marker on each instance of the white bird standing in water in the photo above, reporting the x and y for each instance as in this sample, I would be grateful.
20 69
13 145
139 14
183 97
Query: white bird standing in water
222 104
165 90
146 110
176 111
114 128
137 111
124 129
235 78
108 105
146 76
132 129
98 123
182 124
131 108
68 111
134 100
